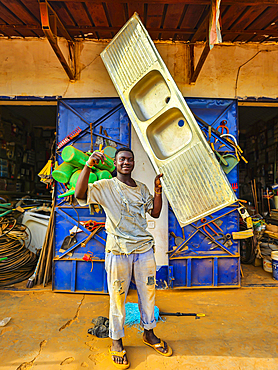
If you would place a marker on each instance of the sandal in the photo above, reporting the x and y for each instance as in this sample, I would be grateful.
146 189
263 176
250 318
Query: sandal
160 345
119 354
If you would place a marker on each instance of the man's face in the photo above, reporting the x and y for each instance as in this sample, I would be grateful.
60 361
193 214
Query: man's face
124 163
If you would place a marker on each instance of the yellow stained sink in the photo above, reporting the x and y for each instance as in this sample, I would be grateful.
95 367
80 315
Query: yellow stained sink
193 180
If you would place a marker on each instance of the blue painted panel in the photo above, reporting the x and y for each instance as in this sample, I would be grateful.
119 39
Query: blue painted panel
200 266
71 273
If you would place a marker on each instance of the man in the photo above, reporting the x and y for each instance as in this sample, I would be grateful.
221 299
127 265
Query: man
129 246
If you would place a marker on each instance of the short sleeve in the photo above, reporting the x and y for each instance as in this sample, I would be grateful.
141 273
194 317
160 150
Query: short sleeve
94 194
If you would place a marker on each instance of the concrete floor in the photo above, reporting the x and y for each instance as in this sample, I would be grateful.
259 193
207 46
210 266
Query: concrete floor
49 331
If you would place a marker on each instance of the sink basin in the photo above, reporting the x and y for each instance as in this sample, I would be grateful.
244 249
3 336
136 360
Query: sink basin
150 95
169 133
193 180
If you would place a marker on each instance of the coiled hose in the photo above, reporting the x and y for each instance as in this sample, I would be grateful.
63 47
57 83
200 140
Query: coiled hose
17 263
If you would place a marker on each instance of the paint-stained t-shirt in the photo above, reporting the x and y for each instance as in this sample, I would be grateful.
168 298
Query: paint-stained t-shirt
125 207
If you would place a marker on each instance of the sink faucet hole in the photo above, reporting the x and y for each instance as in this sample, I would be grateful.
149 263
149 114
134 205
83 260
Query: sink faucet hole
167 99
181 122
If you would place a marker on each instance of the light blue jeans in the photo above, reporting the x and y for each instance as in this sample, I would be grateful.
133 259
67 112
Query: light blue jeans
119 270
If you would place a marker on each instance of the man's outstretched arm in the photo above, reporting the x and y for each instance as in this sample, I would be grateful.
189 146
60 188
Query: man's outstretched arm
82 182
157 202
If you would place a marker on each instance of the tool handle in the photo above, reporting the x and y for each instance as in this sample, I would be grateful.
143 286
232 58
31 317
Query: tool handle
181 314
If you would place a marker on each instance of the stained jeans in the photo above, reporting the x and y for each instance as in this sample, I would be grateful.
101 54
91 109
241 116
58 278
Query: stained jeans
119 270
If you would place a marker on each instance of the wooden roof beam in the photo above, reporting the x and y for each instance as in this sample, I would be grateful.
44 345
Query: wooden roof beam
188 31
50 24
194 72
193 2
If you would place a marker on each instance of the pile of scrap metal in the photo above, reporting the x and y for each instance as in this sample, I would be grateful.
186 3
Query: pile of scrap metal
267 244
17 262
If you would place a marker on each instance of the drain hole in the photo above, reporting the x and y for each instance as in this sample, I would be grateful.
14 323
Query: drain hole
167 99
181 122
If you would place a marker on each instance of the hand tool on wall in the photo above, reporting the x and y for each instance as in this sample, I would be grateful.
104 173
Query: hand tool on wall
89 257
99 140
196 315
223 239
68 242
216 220
91 224
213 240
222 128
75 223
109 141
69 137
182 245
216 224
92 138
178 239
214 132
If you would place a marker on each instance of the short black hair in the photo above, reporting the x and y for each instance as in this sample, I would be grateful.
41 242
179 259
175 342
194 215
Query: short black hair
123 149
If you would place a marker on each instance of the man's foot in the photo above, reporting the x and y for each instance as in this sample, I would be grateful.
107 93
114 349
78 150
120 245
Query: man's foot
117 345
152 339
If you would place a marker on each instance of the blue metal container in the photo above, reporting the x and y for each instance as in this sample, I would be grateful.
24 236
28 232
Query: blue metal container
199 266
196 267
70 272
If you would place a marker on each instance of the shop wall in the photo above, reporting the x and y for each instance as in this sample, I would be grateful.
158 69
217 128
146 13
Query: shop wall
30 68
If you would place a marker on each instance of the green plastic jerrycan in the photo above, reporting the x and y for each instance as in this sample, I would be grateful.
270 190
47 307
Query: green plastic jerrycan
107 165
103 174
63 172
74 178
74 156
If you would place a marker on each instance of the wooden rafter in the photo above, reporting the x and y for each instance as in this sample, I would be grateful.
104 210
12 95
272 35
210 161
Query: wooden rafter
188 31
194 2
50 24
194 72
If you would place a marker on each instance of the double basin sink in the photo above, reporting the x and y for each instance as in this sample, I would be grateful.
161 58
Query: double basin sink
192 179
169 132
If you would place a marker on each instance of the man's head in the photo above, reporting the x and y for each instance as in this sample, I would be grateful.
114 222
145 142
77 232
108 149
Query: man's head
124 161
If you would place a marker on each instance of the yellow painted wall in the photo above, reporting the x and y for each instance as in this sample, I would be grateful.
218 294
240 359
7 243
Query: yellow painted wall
30 68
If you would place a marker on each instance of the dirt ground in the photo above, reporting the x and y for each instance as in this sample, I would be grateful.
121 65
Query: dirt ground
49 331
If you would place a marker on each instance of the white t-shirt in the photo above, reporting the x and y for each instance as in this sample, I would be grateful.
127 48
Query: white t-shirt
125 207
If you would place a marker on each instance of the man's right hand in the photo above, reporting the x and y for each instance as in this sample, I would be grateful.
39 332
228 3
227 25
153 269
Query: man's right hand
95 158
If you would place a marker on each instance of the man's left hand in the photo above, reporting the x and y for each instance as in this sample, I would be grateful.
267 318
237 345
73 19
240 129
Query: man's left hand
157 184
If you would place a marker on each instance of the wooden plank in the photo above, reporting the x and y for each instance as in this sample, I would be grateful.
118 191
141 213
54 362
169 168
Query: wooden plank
264 19
192 16
98 15
231 33
78 12
251 14
33 8
137 7
202 30
202 2
200 63
63 14
231 15
16 7
173 19
173 15
116 14
154 17
8 16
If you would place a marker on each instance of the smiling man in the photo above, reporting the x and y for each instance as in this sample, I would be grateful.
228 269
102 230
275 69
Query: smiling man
129 246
